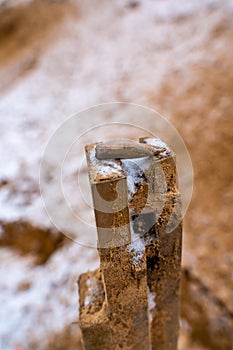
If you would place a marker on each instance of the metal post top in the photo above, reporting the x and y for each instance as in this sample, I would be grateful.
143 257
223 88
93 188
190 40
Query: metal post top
126 150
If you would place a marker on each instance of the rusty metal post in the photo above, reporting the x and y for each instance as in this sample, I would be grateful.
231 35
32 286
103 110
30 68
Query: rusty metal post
132 301
122 264
164 250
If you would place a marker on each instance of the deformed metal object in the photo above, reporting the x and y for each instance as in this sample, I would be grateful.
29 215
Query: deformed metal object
132 300
126 150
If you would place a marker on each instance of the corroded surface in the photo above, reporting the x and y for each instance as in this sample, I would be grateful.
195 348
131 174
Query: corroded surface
141 268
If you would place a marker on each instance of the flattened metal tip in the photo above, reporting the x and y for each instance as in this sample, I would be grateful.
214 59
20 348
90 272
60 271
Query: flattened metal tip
125 150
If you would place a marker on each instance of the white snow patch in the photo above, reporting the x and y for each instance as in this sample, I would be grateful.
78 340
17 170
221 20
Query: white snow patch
88 301
52 291
160 144
136 246
104 167
135 169
151 303
92 291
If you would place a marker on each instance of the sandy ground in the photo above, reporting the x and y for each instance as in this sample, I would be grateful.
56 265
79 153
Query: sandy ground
59 57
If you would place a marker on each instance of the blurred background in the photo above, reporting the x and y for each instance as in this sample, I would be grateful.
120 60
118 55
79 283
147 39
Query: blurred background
58 57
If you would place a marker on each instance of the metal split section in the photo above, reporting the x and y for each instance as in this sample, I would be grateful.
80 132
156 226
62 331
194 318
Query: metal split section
132 300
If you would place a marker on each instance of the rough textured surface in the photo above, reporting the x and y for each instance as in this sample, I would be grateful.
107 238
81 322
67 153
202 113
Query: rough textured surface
94 322
125 286
172 56
164 253
140 265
